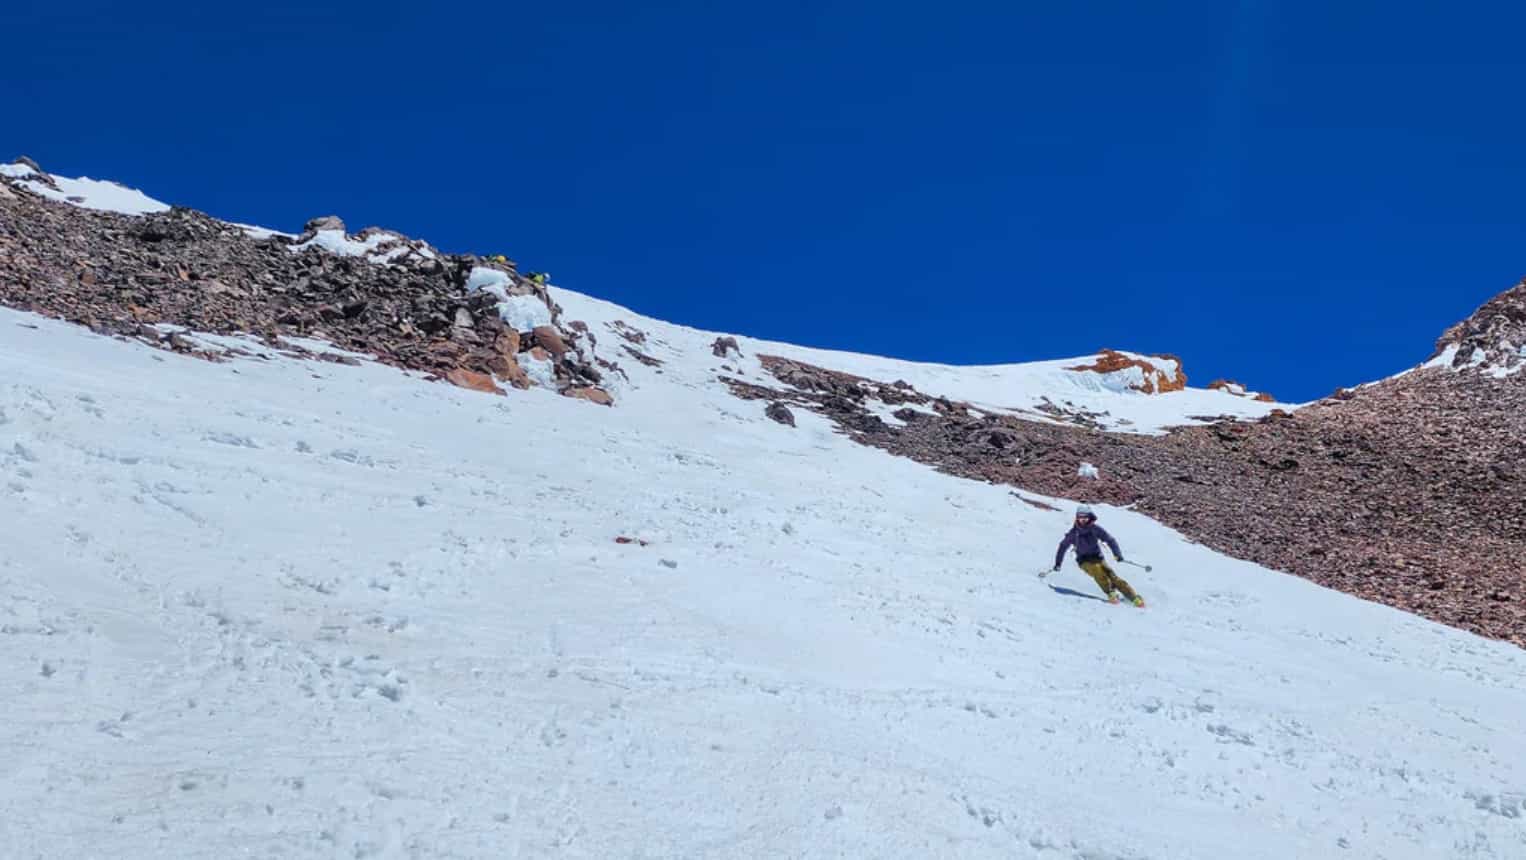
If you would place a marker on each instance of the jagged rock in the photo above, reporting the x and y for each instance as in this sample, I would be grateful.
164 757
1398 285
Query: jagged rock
780 413
640 356
634 335
324 222
506 367
725 346
504 362
551 340
22 159
1492 339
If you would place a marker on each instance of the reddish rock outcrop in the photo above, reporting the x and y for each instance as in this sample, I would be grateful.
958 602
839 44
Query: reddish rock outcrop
473 380
592 395
1158 378
549 339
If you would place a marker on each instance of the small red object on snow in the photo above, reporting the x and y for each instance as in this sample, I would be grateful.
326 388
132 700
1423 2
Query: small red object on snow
624 539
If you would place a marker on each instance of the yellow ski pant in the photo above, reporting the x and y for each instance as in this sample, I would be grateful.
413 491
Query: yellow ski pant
1106 579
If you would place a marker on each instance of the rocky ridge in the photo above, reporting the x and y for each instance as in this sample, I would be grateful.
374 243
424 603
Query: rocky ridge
472 320
1492 340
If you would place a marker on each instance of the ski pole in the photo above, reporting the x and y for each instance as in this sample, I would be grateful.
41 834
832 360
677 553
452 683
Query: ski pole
1136 564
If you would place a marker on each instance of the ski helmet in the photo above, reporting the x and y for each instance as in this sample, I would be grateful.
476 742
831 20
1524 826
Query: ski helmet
1085 511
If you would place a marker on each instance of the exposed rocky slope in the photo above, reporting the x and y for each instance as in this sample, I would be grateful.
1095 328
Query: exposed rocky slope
477 322
1407 491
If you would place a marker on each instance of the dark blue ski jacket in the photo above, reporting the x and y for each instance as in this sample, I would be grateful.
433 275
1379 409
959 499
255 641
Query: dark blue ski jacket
1087 540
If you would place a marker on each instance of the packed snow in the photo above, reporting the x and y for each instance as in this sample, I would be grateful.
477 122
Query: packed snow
371 247
1477 360
275 608
84 191
540 370
1008 389
262 233
491 280
521 313
336 242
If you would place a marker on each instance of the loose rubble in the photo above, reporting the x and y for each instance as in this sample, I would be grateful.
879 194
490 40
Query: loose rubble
375 293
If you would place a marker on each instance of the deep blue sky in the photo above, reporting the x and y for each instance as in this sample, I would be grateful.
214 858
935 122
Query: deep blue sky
1298 195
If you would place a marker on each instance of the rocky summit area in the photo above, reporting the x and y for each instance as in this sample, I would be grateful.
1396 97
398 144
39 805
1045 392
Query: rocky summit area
472 320
1407 491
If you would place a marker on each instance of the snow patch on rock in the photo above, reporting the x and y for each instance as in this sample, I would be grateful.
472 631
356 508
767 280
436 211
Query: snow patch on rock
84 192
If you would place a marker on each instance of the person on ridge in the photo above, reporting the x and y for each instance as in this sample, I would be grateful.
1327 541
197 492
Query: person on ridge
1087 537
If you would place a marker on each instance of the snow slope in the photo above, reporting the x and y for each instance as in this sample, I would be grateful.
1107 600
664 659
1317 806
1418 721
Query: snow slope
1013 389
84 191
267 608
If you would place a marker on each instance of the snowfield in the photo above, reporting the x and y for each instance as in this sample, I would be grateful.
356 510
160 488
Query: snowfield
270 608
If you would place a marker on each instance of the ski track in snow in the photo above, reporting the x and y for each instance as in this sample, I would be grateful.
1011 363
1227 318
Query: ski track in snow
276 609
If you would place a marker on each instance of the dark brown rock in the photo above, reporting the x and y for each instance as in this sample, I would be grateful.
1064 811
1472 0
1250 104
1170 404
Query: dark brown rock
725 346
780 413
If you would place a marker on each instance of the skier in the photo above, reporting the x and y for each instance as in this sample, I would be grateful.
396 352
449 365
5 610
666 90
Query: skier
1085 537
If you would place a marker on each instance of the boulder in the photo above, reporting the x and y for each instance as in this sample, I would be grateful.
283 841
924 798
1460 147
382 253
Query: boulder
325 222
592 395
551 340
505 360
724 346
780 413
473 380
